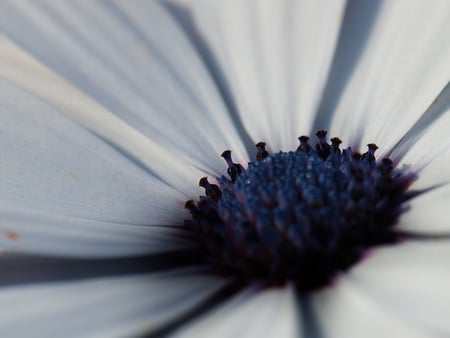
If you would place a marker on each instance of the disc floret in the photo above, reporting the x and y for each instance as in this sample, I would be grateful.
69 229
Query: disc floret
301 216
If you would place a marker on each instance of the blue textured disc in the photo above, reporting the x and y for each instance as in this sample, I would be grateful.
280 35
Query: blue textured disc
301 216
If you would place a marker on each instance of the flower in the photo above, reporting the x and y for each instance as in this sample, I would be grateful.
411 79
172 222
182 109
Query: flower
111 112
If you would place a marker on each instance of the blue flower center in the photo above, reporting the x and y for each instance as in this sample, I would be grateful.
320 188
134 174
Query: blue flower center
301 216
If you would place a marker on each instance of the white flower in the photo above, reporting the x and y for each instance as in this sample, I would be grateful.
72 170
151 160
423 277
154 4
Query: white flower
110 112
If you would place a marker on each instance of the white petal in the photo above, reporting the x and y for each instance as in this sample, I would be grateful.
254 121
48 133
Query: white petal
65 236
52 165
252 313
428 213
344 311
426 148
412 279
20 68
60 182
134 60
403 67
422 136
275 56
103 307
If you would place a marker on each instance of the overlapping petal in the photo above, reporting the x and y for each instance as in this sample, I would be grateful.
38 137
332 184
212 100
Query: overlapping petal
425 213
344 310
275 56
252 313
103 307
20 68
412 280
402 68
133 118
65 190
133 59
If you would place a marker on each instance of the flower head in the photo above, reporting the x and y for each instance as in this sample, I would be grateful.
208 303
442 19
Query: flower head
111 113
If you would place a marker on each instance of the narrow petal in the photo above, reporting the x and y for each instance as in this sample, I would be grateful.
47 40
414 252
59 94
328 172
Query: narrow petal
252 313
426 148
411 279
134 60
66 236
103 307
425 137
343 311
275 57
402 68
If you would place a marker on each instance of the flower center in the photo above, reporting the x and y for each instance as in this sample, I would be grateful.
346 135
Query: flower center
301 216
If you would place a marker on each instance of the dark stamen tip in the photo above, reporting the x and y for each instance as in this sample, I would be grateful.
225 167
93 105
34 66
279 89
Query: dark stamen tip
372 147
261 145
303 138
322 147
226 154
203 182
262 152
336 140
234 169
321 134
304 145
212 190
